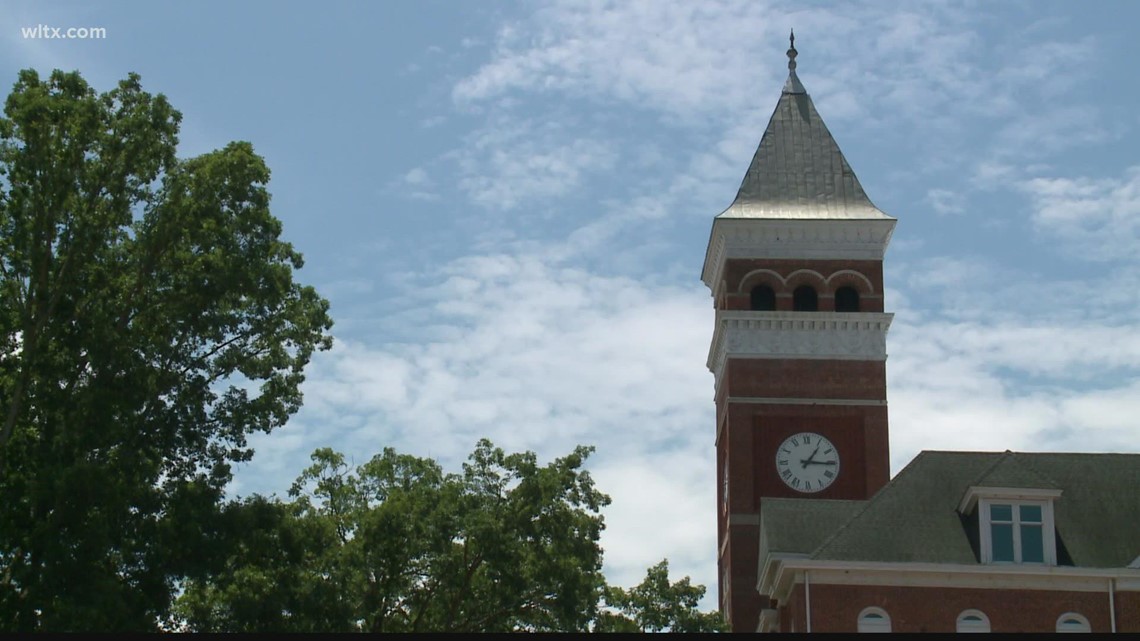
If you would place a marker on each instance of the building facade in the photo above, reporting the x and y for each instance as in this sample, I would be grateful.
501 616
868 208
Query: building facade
957 541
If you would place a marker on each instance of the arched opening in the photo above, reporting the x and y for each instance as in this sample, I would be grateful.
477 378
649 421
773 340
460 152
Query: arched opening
846 299
804 299
1073 622
763 299
874 620
973 621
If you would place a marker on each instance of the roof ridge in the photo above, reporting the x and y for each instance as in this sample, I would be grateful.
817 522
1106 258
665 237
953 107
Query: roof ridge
1020 462
874 499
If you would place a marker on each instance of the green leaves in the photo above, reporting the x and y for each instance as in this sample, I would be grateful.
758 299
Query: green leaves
656 605
149 322
506 545
398 545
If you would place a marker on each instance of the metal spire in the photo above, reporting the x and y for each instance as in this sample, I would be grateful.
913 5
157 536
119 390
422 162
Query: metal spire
793 85
792 53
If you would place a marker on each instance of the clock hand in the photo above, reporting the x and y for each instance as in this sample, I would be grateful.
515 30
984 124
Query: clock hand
805 462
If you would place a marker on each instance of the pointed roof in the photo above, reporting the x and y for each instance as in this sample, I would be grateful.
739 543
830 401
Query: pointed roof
798 170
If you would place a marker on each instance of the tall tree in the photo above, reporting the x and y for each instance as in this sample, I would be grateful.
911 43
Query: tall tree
657 605
149 322
400 546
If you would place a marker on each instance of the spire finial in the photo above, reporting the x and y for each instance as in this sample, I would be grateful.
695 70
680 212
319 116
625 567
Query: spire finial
792 51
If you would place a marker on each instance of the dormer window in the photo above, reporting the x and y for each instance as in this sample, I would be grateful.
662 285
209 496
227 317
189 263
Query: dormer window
1016 524
1016 532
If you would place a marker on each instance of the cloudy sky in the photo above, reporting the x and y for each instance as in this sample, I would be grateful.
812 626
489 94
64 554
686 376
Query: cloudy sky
508 205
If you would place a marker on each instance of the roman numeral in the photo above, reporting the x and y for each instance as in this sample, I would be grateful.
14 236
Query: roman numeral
786 474
829 474
795 442
807 439
783 462
828 451
795 483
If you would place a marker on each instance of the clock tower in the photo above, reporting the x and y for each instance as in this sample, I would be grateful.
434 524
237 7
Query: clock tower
798 353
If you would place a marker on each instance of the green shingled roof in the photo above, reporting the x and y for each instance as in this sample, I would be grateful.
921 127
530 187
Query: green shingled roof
799 526
915 518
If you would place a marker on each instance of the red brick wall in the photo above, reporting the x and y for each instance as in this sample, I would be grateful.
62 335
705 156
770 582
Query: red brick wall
739 281
1127 611
750 433
806 378
836 608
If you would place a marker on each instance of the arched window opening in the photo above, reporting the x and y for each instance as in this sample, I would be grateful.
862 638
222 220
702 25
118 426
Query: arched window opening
973 621
846 299
874 620
1073 622
804 299
763 299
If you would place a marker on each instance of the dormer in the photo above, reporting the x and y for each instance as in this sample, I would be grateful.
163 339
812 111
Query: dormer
1015 525
1012 507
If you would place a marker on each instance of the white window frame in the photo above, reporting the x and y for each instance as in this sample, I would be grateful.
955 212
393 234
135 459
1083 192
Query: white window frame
873 620
1073 616
980 624
1048 529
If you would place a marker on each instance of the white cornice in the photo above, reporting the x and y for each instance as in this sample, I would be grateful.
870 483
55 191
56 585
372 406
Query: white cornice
970 498
802 335
779 573
856 239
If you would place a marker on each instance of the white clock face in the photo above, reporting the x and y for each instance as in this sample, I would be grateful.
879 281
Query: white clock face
807 462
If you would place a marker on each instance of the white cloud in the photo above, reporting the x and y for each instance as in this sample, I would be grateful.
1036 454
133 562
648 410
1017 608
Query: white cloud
417 176
945 201
511 163
1095 219
538 355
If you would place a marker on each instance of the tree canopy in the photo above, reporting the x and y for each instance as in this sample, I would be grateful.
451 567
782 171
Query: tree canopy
149 322
400 546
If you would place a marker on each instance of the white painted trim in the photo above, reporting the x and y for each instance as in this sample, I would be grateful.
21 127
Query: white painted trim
832 239
758 400
1080 618
775 274
1048 531
858 336
975 492
1112 604
972 626
769 620
862 277
778 574
864 625
818 276
807 600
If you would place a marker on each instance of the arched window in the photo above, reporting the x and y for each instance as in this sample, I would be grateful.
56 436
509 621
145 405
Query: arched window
846 299
874 620
804 299
763 299
1073 622
973 621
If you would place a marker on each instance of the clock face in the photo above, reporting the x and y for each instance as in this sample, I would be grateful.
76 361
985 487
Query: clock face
807 462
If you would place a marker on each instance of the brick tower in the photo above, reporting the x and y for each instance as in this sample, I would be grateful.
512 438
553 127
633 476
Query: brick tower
798 351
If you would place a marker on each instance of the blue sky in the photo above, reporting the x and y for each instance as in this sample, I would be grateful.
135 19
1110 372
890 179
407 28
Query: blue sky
508 204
